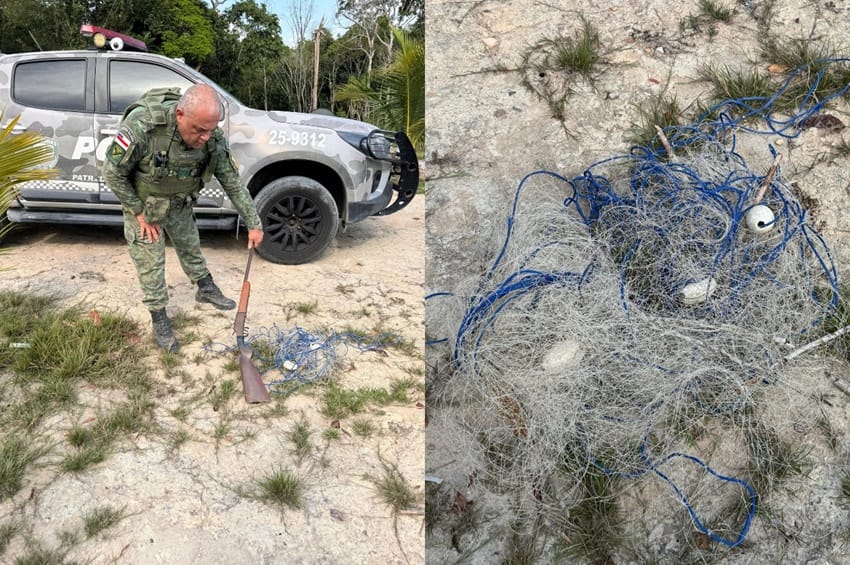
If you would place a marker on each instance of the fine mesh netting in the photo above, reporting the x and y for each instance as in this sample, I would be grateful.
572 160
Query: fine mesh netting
630 301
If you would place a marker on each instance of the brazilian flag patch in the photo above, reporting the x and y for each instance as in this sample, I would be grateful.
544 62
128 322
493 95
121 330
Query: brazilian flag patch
119 147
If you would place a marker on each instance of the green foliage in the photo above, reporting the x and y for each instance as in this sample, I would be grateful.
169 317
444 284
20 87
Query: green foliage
396 96
299 435
338 403
21 155
101 519
181 28
8 530
591 530
16 454
393 488
554 65
282 488
240 47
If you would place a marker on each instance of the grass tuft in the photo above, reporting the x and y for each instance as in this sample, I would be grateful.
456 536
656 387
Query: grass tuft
16 454
592 528
101 519
363 427
8 531
300 438
716 11
282 488
663 111
553 65
393 489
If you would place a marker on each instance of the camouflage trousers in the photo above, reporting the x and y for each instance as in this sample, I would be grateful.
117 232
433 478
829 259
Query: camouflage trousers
149 256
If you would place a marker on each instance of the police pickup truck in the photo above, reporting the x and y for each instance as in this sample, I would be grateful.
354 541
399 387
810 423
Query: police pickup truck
309 174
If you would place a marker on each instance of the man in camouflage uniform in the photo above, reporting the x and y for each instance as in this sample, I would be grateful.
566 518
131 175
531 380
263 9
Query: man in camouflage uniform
164 152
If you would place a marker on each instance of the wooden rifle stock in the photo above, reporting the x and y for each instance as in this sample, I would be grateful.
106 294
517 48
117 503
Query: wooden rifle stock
252 383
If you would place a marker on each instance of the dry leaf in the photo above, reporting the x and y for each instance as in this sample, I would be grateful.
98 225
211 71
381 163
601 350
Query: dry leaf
460 503
95 317
513 413
776 68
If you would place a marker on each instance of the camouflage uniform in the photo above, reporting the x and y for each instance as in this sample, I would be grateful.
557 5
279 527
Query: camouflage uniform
164 182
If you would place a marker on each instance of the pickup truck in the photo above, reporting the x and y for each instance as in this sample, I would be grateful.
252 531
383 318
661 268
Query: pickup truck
310 174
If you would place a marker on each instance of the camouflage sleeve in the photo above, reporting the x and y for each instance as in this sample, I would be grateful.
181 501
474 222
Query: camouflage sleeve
122 156
227 173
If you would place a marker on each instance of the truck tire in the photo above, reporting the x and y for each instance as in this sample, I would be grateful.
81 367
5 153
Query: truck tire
300 219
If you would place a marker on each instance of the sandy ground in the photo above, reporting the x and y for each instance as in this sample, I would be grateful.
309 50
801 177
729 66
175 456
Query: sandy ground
183 505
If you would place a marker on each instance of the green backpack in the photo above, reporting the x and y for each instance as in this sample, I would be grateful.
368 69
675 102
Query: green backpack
153 101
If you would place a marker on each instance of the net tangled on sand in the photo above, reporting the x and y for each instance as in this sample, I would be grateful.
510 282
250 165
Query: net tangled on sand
289 358
627 301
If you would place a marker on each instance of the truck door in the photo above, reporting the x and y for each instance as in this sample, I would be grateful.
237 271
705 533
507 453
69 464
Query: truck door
53 96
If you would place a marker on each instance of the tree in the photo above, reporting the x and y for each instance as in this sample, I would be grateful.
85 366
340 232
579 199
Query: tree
256 49
21 155
373 19
181 28
296 70
397 100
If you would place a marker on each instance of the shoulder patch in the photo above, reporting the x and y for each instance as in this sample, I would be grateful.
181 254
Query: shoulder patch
233 162
121 145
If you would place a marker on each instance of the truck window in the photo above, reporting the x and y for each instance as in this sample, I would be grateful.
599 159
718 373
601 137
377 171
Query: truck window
128 80
58 84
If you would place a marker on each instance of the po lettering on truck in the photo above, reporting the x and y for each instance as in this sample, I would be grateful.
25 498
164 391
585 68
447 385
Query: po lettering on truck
87 144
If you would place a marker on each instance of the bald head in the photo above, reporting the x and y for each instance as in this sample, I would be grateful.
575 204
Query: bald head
198 113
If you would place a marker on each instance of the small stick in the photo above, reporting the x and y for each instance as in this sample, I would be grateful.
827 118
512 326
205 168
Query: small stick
816 343
769 178
665 142
842 385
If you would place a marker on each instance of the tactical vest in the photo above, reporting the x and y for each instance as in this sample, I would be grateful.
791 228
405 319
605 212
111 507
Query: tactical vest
168 167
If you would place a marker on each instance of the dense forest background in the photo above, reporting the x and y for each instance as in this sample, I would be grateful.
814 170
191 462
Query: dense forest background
374 72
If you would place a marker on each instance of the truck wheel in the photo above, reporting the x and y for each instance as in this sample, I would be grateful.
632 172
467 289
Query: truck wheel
300 219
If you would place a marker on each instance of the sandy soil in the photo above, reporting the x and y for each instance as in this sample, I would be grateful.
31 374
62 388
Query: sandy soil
183 505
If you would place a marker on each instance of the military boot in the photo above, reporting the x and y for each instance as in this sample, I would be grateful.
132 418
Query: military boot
209 292
162 331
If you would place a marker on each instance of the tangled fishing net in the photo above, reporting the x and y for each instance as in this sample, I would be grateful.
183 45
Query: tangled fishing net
290 358
625 303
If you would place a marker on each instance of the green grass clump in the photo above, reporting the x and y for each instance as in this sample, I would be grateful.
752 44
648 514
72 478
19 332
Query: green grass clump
591 530
101 519
363 427
393 489
39 555
282 488
663 111
8 530
716 11
553 65
16 454
338 402
771 459
728 83
92 445
307 308
299 435
66 348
